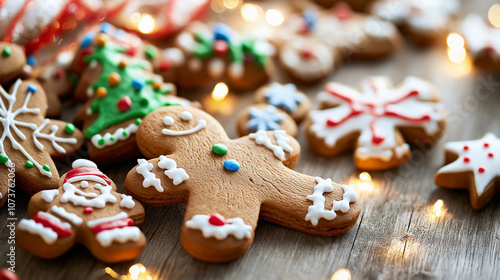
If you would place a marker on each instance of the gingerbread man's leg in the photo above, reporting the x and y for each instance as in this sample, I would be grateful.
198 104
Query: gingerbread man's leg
45 235
116 245
219 224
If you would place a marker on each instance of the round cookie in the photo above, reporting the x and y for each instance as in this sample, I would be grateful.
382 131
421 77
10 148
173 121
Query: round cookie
194 161
377 121
286 97
265 117
12 61
86 209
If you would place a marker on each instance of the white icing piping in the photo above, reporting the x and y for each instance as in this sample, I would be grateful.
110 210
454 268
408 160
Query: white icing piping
93 223
117 135
318 211
150 179
178 175
262 138
234 226
73 218
127 202
120 235
47 234
48 195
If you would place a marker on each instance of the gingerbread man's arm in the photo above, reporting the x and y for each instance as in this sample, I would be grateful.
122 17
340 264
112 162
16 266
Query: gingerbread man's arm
312 205
149 182
66 139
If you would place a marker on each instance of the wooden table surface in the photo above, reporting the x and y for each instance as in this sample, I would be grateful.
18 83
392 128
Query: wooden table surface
396 236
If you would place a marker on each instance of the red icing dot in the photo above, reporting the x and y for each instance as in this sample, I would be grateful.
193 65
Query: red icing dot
59 73
217 220
88 210
481 170
131 51
164 65
466 159
486 145
490 155
307 52
466 148
377 139
489 48
124 103
342 11
220 47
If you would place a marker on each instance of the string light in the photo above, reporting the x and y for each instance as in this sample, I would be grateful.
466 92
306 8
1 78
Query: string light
494 15
231 4
220 91
342 274
456 50
146 24
274 17
135 272
455 41
438 208
250 12
366 183
217 6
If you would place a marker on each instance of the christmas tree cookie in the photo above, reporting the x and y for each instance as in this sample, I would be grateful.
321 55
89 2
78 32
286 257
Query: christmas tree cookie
119 90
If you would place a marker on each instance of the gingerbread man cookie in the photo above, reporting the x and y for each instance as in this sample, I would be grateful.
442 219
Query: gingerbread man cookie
221 53
119 90
472 165
425 22
12 61
313 43
483 42
84 209
29 142
228 184
276 106
378 120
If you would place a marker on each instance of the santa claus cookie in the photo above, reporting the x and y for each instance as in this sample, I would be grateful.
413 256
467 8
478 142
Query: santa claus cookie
277 106
12 61
120 90
220 53
483 42
472 165
228 184
313 43
377 121
84 209
29 142
425 22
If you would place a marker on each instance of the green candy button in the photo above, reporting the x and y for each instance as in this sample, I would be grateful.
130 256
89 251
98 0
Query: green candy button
219 149
6 51
46 168
70 128
3 158
29 164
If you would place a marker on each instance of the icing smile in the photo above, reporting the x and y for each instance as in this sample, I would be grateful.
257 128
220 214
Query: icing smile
185 116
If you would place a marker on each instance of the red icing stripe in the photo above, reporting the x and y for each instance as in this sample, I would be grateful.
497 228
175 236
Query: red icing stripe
54 225
85 171
13 23
126 222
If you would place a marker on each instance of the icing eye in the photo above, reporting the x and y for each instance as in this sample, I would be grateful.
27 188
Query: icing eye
168 120
186 116
84 184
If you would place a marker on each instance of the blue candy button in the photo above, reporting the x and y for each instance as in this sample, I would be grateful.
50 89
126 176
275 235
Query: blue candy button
231 165
137 84
31 88
87 40
31 60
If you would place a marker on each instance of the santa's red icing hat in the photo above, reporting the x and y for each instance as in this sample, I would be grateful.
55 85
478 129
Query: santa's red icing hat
84 169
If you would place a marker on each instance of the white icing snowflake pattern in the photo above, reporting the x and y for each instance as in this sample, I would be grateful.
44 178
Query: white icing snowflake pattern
10 124
284 96
376 112
265 119
481 156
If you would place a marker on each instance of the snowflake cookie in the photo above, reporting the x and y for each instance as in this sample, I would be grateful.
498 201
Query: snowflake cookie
29 142
377 121
226 183
84 209
472 165
277 106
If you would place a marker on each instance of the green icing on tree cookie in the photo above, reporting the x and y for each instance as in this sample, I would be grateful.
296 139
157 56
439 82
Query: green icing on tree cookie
132 97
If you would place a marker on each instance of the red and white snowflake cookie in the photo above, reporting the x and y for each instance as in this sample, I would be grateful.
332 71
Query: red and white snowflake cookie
377 121
472 165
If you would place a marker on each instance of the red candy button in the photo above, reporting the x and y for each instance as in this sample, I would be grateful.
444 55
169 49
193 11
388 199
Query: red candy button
220 47
217 220
88 210
124 104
